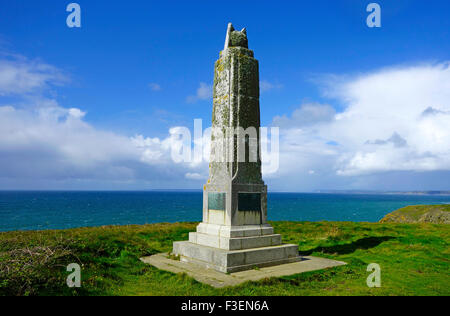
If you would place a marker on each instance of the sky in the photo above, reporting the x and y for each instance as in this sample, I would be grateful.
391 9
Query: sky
96 107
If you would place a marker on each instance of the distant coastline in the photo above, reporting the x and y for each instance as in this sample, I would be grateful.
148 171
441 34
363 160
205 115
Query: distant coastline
443 193
361 192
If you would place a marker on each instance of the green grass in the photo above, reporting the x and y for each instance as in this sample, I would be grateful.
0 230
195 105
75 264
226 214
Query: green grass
414 260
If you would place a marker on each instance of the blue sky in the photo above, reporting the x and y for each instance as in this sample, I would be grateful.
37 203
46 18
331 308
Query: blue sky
135 68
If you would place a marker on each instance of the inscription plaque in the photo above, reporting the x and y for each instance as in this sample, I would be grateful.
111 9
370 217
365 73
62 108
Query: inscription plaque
216 201
249 201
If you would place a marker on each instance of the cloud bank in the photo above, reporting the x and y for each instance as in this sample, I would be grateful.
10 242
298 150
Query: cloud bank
392 132
393 120
45 145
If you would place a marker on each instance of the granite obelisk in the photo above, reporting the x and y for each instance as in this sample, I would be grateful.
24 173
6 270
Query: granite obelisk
234 234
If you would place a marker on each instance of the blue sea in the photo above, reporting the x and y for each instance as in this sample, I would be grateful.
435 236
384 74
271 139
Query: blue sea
59 210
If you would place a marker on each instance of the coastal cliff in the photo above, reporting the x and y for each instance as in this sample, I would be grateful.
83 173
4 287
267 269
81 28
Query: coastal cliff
436 214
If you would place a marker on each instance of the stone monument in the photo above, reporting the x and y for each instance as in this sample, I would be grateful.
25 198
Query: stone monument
234 235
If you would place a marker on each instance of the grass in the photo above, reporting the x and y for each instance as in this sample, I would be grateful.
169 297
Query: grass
414 260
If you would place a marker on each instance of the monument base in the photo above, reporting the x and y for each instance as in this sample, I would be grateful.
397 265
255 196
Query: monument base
230 249
229 261
219 280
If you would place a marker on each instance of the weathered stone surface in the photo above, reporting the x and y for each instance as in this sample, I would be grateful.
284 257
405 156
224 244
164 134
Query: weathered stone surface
235 231
235 260
235 243
234 234
235 38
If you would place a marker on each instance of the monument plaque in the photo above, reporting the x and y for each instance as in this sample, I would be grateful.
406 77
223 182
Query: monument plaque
234 234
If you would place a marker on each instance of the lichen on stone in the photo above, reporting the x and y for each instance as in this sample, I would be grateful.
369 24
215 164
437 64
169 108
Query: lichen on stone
238 39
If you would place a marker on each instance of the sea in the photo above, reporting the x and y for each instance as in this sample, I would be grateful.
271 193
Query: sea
36 210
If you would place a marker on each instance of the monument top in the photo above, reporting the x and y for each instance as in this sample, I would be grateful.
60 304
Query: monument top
236 38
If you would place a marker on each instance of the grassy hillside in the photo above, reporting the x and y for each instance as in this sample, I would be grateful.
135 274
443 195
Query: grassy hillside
437 214
414 260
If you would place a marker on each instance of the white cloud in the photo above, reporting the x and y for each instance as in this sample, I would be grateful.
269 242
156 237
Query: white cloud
76 113
393 120
56 143
154 86
195 176
43 142
19 75
307 114
265 86
204 92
